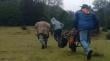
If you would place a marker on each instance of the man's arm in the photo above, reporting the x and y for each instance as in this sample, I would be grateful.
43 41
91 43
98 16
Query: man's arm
62 25
75 22
96 21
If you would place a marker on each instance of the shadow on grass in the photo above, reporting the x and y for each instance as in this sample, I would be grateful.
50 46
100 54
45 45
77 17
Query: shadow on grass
70 53
96 54
3 52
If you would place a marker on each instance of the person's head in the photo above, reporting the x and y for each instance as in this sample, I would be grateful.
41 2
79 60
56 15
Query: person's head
53 19
85 8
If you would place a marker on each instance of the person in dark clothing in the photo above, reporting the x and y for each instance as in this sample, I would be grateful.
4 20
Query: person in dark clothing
57 29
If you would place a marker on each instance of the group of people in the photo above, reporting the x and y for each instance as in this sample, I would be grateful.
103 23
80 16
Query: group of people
85 21
43 29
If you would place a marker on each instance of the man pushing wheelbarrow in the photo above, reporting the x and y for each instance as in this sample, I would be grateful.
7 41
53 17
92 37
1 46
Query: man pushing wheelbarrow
85 22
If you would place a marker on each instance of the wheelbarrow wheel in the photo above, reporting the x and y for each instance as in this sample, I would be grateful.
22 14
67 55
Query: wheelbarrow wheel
73 48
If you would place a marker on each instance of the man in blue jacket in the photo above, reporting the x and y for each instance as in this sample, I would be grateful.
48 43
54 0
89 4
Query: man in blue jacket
85 21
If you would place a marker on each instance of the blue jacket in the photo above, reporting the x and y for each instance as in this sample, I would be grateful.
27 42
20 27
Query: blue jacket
85 21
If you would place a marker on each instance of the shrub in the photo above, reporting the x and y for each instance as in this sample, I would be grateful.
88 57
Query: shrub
108 36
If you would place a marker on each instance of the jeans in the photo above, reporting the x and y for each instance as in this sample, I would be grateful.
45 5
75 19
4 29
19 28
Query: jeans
85 40
43 39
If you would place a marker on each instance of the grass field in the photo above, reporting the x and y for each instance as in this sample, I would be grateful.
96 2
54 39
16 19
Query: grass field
19 45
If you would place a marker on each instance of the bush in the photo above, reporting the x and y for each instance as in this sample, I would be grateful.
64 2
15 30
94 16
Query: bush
108 36
24 28
104 29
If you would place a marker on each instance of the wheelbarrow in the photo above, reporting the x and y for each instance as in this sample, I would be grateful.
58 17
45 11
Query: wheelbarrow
74 41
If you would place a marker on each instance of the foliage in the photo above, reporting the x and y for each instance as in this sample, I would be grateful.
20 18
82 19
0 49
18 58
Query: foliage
26 12
103 12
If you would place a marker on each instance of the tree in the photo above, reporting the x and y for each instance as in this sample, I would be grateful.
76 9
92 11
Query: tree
103 12
27 11
9 12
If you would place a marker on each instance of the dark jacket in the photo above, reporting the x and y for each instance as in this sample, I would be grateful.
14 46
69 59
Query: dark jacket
85 21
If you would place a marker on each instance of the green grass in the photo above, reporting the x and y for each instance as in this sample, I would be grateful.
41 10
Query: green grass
19 45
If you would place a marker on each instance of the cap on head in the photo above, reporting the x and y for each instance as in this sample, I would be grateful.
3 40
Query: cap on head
85 6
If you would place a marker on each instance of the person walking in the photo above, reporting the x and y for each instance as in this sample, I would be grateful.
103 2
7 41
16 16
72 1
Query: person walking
85 22
42 29
57 29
